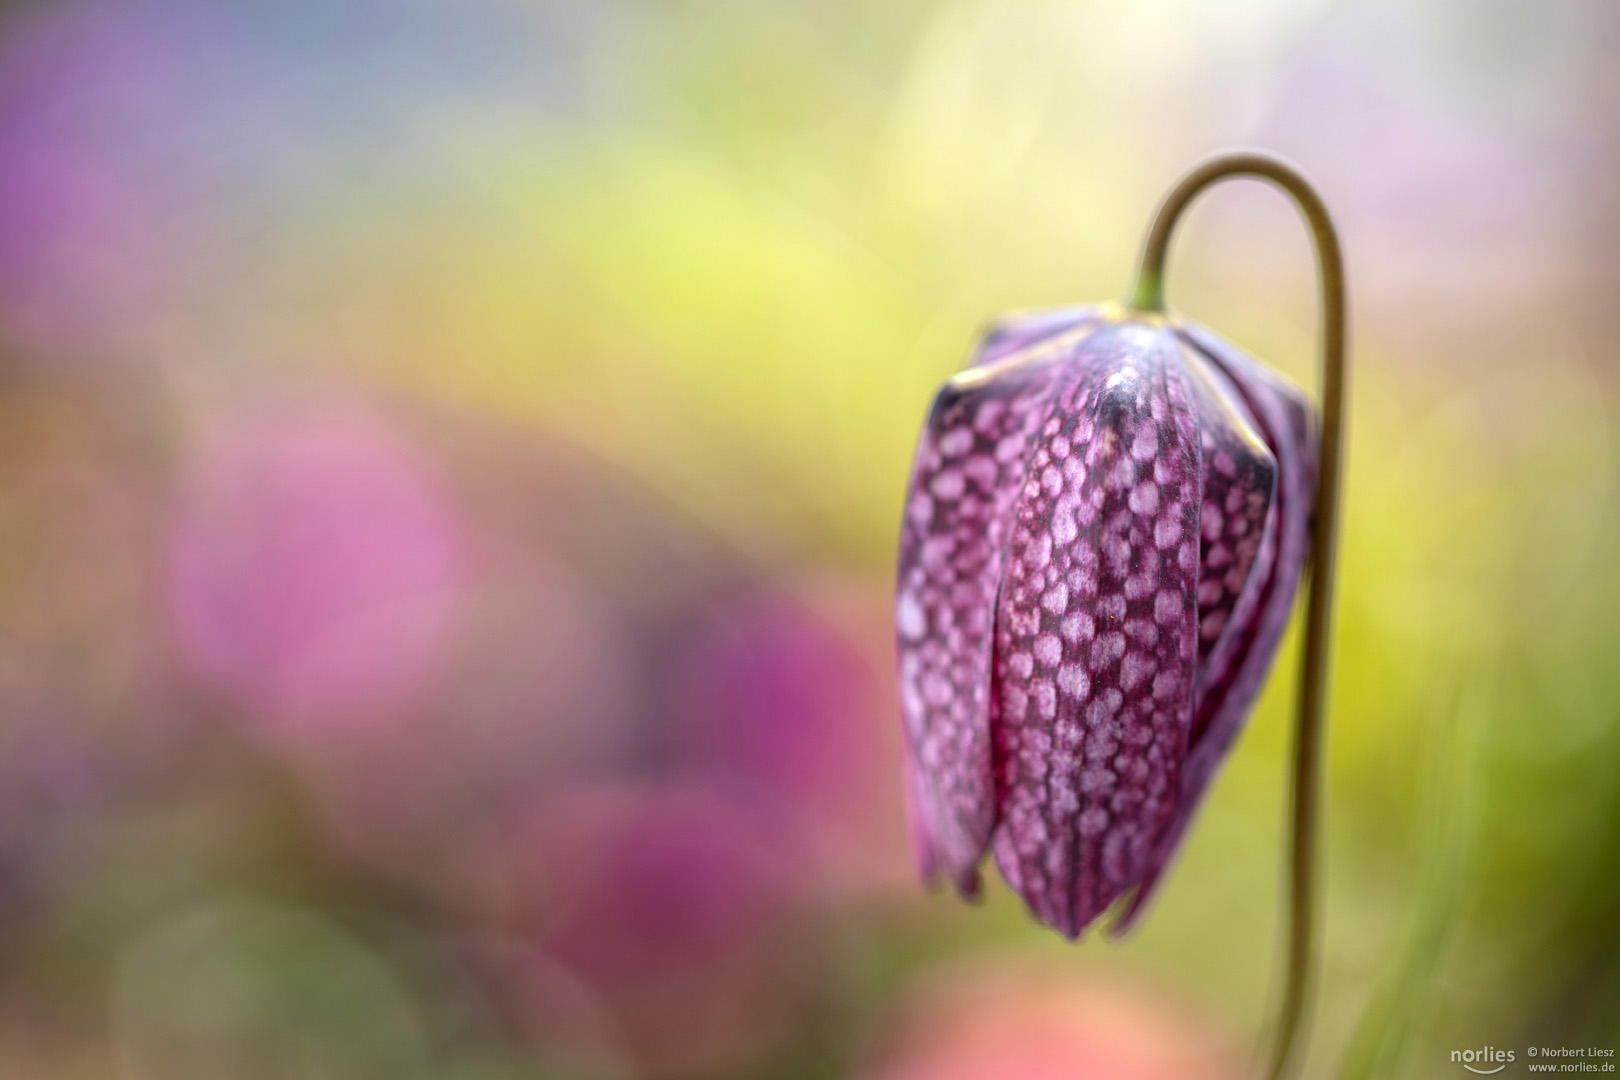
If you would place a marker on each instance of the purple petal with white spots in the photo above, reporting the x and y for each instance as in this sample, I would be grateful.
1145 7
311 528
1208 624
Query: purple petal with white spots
1284 419
969 468
1107 521
1237 524
1096 628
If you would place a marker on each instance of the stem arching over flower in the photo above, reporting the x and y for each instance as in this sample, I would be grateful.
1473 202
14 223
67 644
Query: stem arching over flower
1148 296
1108 516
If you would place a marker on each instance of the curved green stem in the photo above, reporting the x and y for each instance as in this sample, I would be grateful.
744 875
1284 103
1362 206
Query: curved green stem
1148 295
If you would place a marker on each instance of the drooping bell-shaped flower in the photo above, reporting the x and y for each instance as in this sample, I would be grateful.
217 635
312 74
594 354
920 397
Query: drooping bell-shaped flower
1108 516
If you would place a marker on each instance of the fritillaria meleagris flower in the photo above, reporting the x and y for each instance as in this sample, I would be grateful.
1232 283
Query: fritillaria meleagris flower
1108 516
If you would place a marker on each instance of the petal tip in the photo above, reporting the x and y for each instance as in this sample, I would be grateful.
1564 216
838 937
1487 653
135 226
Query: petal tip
969 886
1129 912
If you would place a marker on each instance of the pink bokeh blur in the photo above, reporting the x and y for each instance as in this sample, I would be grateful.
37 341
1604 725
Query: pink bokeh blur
1023 1019
316 568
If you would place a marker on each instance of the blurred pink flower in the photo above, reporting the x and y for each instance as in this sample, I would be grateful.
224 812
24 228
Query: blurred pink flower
668 906
1018 1020
786 704
542 691
315 566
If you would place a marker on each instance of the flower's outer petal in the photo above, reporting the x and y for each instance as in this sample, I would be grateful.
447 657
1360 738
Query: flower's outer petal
1237 532
968 471
1096 629
1285 420
1019 330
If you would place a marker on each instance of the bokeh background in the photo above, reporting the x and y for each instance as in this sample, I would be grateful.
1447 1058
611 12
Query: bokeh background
451 455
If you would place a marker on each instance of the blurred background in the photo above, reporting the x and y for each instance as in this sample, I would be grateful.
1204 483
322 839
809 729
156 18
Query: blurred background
451 457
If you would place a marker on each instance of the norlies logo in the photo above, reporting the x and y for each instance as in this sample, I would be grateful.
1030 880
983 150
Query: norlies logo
1490 1055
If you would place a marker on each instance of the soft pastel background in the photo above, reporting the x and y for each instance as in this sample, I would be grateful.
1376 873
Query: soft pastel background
450 463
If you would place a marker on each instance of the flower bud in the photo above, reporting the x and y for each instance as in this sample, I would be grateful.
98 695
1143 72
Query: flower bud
1107 519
